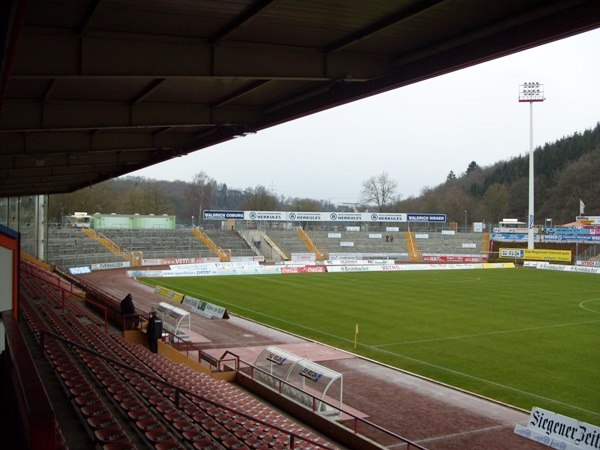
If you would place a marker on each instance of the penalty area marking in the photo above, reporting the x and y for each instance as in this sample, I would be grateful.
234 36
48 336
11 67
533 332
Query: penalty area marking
589 301
436 366
421 341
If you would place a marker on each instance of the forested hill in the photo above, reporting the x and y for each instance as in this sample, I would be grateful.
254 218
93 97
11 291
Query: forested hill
565 172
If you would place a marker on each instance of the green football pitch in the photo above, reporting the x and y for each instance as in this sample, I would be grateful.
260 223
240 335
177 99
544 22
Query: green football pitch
522 336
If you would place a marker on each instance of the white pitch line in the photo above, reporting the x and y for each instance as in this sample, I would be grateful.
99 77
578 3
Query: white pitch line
483 380
466 375
274 281
484 334
588 301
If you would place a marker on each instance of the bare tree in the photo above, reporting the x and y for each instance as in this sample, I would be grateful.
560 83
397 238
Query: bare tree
380 191
199 194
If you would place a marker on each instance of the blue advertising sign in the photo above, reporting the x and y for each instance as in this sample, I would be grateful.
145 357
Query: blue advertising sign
416 217
222 215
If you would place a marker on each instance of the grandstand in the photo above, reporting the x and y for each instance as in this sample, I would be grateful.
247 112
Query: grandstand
128 397
69 247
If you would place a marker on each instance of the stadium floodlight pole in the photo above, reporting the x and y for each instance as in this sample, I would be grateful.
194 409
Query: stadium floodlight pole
531 92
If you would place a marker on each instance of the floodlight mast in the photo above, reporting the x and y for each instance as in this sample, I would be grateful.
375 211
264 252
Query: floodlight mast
531 92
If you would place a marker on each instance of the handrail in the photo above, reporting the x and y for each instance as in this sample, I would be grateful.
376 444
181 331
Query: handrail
42 274
206 240
315 400
310 245
178 390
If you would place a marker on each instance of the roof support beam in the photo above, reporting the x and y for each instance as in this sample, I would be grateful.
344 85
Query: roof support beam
381 25
252 11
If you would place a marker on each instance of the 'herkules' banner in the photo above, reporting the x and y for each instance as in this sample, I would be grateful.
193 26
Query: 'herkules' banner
296 216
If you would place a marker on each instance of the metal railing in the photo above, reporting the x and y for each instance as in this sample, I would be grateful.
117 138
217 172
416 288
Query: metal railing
178 390
229 356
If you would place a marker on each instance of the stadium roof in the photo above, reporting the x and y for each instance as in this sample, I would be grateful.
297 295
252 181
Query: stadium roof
94 89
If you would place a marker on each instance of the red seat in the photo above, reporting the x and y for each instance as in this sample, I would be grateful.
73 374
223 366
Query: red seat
150 424
168 446
139 414
111 434
88 400
94 410
160 436
102 421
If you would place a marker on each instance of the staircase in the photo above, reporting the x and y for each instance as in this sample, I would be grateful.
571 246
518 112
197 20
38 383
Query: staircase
486 243
310 245
223 255
111 246
413 251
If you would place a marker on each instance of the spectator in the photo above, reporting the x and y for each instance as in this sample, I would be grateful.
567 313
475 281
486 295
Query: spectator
154 331
127 308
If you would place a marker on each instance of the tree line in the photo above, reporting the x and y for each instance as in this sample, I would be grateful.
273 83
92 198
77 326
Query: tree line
565 172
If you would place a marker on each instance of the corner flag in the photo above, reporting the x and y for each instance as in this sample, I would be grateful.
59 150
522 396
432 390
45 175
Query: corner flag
355 335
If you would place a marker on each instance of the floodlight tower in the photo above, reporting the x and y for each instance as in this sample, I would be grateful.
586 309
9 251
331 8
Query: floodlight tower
531 92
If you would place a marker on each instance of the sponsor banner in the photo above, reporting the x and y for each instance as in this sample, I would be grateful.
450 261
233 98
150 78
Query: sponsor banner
588 263
174 261
352 228
455 258
277 359
222 215
334 235
563 268
469 245
392 228
421 236
311 374
111 265
592 220
440 218
345 256
375 236
558 431
569 231
79 270
572 238
322 216
535 254
512 230
449 232
169 294
510 237
303 257
303 269
410 267
478 227
216 265
346 244
204 308
354 268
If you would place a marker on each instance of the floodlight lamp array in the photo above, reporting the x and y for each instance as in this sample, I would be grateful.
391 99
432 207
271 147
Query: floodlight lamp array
531 92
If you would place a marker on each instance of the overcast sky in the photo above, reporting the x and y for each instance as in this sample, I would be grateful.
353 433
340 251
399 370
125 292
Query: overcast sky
417 134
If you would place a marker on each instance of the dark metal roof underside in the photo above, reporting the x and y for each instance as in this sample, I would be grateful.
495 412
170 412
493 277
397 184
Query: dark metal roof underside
94 89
